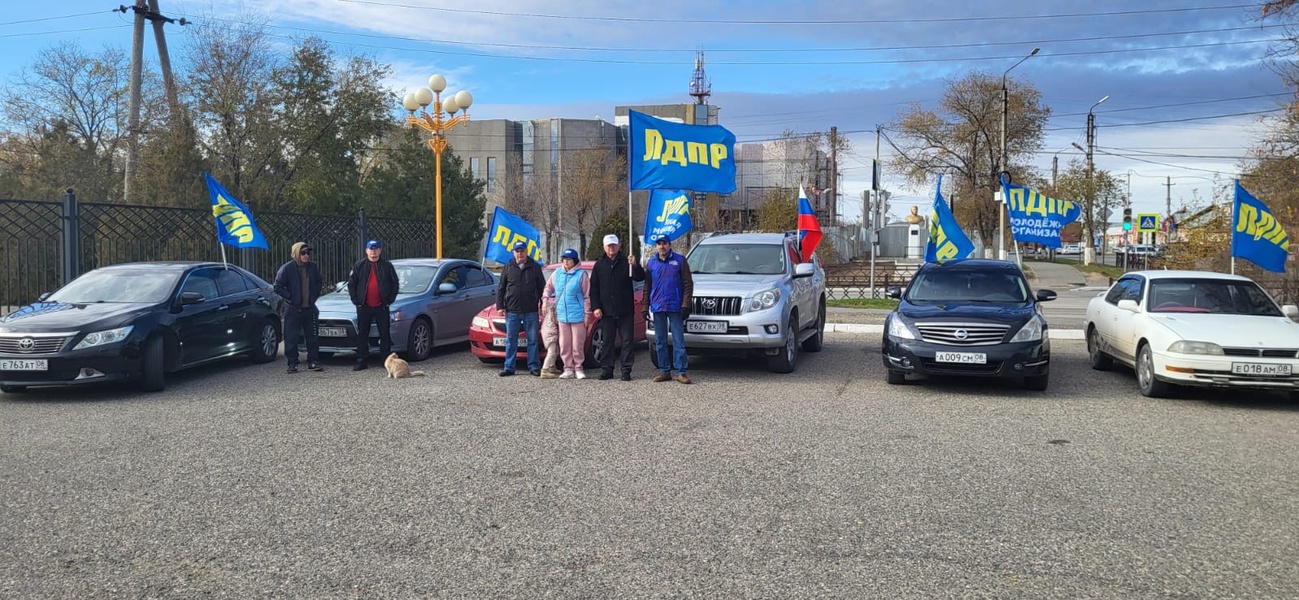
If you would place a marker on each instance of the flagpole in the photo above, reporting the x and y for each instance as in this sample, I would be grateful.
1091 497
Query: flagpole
223 256
1235 202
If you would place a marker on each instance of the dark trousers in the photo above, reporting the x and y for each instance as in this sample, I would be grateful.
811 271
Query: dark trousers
623 326
379 316
299 323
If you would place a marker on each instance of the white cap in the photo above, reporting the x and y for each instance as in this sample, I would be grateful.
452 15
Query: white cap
610 239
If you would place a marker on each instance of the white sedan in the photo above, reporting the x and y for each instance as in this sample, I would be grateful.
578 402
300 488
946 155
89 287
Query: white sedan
1193 328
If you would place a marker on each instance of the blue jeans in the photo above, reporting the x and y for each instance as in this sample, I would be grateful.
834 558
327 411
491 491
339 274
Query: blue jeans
527 321
662 321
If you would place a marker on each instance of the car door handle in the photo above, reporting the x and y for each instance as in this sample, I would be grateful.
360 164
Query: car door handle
224 307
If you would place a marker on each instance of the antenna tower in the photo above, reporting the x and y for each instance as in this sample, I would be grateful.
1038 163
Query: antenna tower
700 86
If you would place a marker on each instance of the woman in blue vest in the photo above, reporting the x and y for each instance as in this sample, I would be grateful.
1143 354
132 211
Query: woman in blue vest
569 289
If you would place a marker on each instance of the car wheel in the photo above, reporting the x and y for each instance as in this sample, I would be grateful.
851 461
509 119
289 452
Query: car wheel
1150 386
421 340
13 389
1036 384
153 377
1100 361
787 359
267 344
596 349
817 341
654 355
896 377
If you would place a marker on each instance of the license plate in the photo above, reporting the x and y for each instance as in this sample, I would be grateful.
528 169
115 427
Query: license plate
1260 369
333 332
500 341
707 326
27 364
969 358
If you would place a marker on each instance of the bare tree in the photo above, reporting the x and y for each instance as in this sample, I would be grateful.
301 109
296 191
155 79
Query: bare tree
592 188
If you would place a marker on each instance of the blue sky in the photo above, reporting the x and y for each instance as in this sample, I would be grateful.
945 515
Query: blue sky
1185 79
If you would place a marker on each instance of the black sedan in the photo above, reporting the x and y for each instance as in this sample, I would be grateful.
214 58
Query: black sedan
139 321
969 317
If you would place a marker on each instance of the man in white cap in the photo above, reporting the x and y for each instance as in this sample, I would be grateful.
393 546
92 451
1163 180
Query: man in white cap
613 303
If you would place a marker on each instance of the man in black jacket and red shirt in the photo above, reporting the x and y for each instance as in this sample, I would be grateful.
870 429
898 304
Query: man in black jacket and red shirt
373 285
613 302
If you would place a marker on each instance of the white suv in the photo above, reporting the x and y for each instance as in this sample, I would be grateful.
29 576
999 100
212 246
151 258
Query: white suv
752 295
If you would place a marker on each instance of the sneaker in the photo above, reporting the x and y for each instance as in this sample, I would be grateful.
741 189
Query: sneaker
683 379
626 375
581 374
546 374
505 373
315 366
535 372
567 375
661 377
606 375
360 366
292 369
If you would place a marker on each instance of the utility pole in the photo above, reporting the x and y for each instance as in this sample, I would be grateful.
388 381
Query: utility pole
834 175
151 12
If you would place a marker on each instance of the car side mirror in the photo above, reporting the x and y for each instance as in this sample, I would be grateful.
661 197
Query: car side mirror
804 270
894 292
1045 295
43 297
446 288
1290 310
1129 305
187 298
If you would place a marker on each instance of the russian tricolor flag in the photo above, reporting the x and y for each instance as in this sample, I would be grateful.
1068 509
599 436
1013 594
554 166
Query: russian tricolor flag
809 231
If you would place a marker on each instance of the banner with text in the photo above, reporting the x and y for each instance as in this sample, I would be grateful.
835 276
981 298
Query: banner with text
668 214
667 155
1035 217
506 229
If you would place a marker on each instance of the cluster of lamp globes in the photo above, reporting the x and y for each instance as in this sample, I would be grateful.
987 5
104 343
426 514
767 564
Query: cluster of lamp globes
424 96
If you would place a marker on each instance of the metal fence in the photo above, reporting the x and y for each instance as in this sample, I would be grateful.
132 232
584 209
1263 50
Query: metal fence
45 243
852 281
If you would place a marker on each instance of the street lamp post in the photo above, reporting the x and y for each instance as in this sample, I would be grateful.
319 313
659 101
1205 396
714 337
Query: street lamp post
437 125
1089 254
1001 168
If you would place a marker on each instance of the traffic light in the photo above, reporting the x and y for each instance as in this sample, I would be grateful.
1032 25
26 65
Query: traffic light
1127 219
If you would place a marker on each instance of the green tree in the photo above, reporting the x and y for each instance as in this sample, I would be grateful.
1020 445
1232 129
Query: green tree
778 211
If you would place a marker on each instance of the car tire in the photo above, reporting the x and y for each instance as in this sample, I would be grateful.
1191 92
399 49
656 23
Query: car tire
13 389
817 341
595 350
896 377
267 343
1150 386
786 360
1037 383
654 355
420 343
153 365
1099 360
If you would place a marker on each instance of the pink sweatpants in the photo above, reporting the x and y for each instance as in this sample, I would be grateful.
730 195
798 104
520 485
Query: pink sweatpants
572 345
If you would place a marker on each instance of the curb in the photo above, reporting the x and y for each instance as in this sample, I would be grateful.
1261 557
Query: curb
1059 334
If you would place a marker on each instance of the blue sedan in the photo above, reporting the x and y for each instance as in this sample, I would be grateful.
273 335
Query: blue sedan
436 301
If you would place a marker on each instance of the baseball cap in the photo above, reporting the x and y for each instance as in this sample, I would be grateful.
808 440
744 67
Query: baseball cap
519 246
569 253
610 239
662 238
373 244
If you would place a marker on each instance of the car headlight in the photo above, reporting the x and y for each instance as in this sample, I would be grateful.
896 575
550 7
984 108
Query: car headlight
1031 331
482 323
1188 347
99 338
898 329
764 300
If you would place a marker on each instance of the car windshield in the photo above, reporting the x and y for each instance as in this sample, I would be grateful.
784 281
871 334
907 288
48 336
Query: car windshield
1217 296
738 259
117 285
953 285
414 279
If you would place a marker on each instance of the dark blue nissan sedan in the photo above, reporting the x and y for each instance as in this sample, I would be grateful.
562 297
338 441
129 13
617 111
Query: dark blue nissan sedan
969 317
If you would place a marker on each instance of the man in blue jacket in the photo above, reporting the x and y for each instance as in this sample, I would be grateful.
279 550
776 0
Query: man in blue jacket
671 291
298 282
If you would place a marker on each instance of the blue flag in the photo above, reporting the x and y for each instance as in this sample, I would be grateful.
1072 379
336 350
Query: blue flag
234 222
946 240
507 228
666 155
1036 218
1256 235
668 214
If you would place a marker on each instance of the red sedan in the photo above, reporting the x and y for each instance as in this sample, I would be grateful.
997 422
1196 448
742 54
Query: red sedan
487 332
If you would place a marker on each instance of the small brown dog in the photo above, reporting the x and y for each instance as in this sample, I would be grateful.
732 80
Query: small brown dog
398 368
